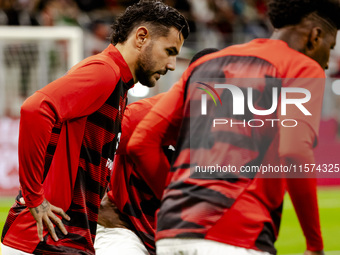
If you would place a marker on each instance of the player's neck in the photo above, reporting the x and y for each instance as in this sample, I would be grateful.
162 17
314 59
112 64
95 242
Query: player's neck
129 55
295 39
296 36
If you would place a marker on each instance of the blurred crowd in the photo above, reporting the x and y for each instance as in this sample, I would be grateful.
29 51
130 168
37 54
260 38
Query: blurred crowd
213 23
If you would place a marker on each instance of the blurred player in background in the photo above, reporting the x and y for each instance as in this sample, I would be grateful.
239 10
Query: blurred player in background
70 129
230 213
126 214
126 219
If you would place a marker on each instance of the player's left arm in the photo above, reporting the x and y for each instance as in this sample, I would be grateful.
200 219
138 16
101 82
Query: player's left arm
296 148
297 143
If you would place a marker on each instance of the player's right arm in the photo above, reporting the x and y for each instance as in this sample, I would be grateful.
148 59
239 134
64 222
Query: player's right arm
35 129
72 96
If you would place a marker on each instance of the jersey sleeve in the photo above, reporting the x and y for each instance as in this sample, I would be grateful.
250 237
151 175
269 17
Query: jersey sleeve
145 147
296 148
82 91
303 194
296 145
75 95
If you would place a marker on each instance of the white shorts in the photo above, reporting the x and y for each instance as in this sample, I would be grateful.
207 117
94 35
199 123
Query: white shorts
120 241
6 250
198 246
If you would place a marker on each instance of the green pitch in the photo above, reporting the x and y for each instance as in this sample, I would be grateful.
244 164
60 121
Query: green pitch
5 204
291 240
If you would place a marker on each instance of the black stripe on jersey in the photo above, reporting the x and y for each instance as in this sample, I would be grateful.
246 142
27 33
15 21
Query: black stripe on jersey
276 216
147 238
114 98
150 206
140 184
190 235
132 210
79 238
56 130
45 249
48 162
109 149
148 241
92 207
128 84
102 121
170 222
202 193
265 240
168 153
12 214
51 149
77 219
80 220
90 156
91 185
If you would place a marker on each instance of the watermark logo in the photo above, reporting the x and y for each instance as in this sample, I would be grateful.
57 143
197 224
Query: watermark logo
204 97
280 100
239 99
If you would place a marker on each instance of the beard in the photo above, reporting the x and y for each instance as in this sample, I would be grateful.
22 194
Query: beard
145 68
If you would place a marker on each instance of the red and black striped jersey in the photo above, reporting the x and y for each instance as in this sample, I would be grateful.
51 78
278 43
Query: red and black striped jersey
69 131
127 189
236 209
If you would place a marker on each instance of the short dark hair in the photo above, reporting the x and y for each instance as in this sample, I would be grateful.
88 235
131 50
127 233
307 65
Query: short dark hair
159 16
291 12
202 53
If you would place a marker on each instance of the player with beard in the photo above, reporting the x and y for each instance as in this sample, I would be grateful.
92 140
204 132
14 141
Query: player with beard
70 129
126 219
